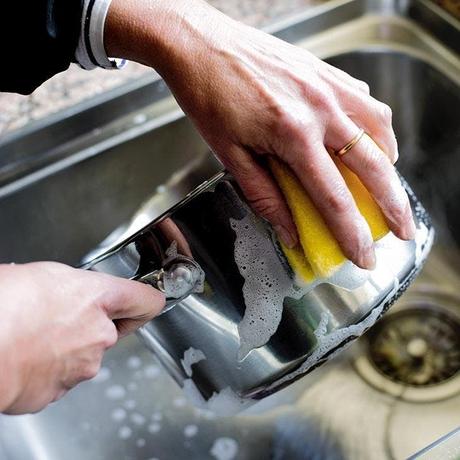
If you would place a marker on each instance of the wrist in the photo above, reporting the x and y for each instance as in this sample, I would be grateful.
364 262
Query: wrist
11 356
162 34
9 379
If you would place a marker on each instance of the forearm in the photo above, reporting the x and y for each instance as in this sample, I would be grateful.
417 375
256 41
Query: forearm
162 34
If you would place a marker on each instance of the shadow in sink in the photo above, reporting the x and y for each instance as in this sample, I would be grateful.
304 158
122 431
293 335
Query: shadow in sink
132 410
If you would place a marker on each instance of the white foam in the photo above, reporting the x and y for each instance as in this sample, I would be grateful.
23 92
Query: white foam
190 431
115 392
130 404
329 341
267 282
191 357
134 362
224 403
140 442
125 432
118 414
179 402
154 427
224 449
152 371
157 416
137 419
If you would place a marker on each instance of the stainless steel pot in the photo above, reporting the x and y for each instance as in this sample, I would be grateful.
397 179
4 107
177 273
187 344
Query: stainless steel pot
215 260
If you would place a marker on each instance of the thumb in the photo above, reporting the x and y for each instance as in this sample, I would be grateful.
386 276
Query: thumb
262 192
130 304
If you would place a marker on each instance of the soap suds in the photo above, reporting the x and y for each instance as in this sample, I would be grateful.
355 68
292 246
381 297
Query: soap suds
268 283
224 449
134 362
190 431
130 404
115 392
154 427
179 402
224 403
140 442
137 419
152 371
125 432
118 414
157 416
191 357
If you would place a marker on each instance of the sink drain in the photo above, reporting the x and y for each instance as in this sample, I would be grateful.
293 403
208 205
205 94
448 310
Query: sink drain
418 347
414 352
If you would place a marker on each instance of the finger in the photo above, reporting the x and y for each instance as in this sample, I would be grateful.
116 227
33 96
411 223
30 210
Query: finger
126 299
374 117
331 196
262 192
379 176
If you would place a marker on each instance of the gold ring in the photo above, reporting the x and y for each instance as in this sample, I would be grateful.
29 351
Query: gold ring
347 147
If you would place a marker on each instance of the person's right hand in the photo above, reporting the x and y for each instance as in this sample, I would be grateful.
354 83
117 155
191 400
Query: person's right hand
56 323
251 95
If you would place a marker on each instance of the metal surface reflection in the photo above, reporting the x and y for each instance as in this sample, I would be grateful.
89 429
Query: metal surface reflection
199 231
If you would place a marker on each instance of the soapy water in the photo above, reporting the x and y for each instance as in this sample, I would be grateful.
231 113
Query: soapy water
191 357
267 283
190 431
336 340
115 392
223 403
224 449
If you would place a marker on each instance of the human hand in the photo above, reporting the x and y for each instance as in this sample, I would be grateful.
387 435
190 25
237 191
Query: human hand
57 322
251 94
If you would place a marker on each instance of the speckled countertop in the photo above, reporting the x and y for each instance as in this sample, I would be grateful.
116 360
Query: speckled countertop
75 84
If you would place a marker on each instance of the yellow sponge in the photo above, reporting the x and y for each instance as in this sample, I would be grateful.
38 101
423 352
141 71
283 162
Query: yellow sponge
319 254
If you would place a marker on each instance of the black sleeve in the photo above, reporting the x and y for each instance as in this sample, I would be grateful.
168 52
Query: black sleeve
38 39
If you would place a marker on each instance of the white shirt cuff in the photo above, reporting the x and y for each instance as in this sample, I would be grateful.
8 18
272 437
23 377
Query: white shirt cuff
90 52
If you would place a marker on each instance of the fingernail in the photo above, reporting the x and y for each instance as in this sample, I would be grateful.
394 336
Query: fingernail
285 236
410 230
367 259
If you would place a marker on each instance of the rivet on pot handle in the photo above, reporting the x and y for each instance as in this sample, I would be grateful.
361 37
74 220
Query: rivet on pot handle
178 279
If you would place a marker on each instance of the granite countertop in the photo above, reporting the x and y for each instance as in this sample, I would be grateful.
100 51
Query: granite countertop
76 85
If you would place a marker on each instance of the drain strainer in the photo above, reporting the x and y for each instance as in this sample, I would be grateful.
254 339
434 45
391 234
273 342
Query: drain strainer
417 347
414 352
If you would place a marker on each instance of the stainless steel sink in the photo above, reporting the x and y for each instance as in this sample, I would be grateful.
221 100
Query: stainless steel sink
68 182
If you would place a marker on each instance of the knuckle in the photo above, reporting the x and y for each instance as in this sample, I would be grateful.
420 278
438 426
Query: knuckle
267 207
110 337
326 101
337 200
364 87
90 370
286 124
386 114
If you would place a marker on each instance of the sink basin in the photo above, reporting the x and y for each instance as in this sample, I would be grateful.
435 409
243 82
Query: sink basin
69 181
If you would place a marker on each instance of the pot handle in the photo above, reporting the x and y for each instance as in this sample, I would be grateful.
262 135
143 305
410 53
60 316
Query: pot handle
178 279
